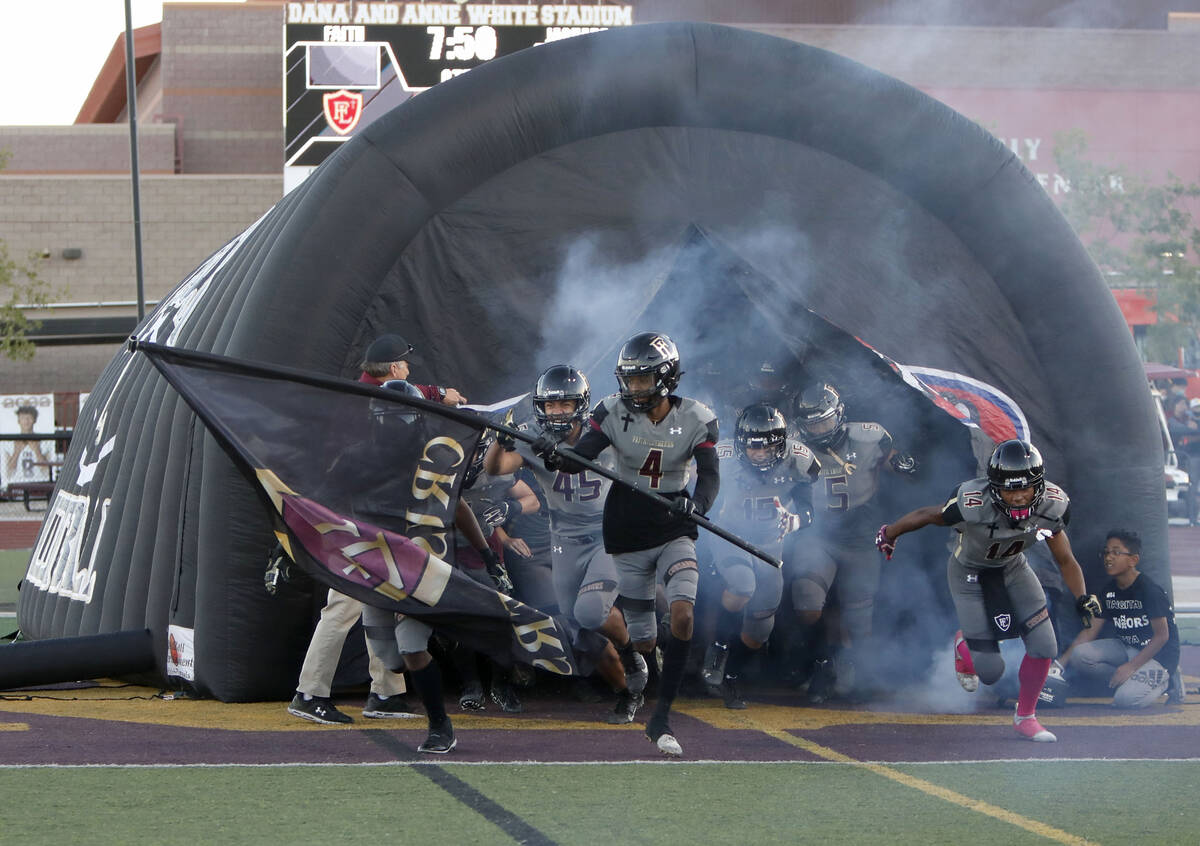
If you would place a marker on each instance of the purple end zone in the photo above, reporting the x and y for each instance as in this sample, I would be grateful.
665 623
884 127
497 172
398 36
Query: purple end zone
79 740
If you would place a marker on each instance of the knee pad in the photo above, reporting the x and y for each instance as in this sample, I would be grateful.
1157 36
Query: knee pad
1039 638
681 581
739 579
759 625
985 654
808 595
591 608
640 619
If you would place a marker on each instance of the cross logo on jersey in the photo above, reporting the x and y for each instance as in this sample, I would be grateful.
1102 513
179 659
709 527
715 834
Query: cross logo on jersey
1003 621
627 419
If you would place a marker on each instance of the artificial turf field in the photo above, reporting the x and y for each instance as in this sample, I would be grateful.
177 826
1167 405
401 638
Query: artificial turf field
113 763
1010 802
117 764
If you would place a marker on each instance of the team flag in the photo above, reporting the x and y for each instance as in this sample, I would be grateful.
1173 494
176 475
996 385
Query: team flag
364 484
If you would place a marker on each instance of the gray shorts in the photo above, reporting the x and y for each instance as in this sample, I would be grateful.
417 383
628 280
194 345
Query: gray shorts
581 562
394 635
637 572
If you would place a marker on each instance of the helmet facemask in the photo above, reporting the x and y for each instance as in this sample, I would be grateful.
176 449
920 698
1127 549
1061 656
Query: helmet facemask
1016 465
560 383
760 427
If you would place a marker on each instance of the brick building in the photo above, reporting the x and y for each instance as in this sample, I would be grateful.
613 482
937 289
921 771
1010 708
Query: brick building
211 136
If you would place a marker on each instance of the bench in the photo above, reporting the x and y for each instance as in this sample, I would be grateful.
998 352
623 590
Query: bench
29 491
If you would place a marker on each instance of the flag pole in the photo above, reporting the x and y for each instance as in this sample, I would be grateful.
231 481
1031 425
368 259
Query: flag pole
468 417
131 104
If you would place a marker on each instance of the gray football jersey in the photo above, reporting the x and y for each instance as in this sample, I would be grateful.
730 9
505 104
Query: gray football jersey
986 536
747 502
850 474
575 501
655 456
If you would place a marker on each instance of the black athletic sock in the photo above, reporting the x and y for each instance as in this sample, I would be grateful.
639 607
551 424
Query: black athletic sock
428 684
739 652
675 655
729 626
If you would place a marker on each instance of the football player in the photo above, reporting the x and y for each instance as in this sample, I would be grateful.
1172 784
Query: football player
585 578
654 436
997 518
853 455
770 470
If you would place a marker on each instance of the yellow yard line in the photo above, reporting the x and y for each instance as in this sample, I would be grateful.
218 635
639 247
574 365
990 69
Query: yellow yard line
1039 828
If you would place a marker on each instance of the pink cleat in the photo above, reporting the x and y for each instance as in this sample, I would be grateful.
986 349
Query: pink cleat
1030 727
964 667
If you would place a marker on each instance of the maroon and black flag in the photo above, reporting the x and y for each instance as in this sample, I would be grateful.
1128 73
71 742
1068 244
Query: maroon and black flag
364 485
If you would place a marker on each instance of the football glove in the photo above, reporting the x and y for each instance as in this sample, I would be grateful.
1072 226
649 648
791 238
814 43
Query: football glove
496 570
505 439
788 522
498 514
1088 607
543 448
887 547
904 463
684 506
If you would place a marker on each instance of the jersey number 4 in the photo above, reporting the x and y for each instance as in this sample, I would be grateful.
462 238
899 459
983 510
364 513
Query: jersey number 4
652 467
578 487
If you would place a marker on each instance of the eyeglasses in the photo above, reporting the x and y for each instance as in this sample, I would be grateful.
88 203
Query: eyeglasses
1113 552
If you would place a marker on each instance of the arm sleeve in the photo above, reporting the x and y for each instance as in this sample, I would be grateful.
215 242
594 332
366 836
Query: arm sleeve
951 513
708 477
590 444
800 496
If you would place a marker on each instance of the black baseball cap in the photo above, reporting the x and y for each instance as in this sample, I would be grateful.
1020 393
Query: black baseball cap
387 348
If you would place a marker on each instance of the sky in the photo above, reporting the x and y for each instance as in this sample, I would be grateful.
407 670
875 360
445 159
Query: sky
52 50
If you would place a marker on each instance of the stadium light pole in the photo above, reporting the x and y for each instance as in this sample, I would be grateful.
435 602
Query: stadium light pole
131 103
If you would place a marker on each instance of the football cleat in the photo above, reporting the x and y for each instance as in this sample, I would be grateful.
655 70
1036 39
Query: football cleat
822 682
440 740
660 733
714 664
637 673
1030 728
964 667
625 709
732 694
472 697
505 695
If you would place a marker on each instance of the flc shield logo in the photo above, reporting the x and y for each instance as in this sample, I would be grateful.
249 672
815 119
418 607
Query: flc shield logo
342 110
1003 621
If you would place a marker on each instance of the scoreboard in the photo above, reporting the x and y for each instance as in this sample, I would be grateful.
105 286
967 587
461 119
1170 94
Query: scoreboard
347 63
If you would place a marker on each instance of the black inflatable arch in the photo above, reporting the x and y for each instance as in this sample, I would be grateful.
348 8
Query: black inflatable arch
456 219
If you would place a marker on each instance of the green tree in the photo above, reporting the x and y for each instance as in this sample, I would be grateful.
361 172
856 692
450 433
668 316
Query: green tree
19 285
1142 235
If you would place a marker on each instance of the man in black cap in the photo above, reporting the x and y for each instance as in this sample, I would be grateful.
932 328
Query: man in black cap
385 359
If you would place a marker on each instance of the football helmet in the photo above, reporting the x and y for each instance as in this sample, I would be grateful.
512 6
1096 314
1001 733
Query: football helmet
760 426
821 416
650 353
561 382
1014 465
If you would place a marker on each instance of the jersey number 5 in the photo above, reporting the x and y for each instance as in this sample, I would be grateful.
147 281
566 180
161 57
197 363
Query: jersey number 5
837 489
